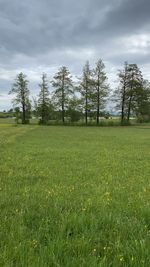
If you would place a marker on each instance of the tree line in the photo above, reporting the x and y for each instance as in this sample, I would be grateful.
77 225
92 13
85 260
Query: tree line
85 99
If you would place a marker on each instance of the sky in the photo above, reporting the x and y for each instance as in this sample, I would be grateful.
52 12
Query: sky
39 36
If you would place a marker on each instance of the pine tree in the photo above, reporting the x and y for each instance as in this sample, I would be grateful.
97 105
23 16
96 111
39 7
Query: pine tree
21 91
100 92
127 94
141 104
43 102
135 82
85 89
28 110
120 94
63 90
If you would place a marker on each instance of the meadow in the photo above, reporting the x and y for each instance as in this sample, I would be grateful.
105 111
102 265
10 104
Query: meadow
74 196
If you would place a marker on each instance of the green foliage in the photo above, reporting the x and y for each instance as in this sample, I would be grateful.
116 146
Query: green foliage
17 114
74 111
132 95
62 90
21 98
43 104
73 196
6 114
85 89
85 101
73 115
142 98
100 90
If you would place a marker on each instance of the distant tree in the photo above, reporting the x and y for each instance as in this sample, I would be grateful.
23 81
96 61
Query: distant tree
43 101
28 110
10 110
17 114
130 90
21 91
85 89
120 94
63 89
74 111
101 87
135 85
141 104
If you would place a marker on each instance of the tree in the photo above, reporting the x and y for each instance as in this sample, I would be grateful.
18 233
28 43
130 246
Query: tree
135 82
99 80
120 94
141 105
21 91
85 89
43 102
35 107
123 75
74 110
129 90
63 90
17 114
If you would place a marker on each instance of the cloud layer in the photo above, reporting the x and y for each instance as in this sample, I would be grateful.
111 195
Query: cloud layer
37 36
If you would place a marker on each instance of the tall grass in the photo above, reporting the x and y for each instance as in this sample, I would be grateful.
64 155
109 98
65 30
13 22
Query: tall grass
73 196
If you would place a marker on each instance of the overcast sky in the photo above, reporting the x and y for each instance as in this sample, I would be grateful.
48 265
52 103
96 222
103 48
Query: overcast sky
42 35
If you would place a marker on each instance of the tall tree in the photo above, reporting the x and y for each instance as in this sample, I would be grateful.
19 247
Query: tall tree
63 90
21 91
135 81
120 94
85 89
100 87
28 110
74 111
43 102
129 91
141 103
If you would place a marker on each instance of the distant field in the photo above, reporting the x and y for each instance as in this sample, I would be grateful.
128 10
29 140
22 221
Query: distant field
115 121
7 121
74 196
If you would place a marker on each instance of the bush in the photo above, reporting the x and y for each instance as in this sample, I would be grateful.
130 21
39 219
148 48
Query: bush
144 118
125 123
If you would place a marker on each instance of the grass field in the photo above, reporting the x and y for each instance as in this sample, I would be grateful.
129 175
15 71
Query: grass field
73 196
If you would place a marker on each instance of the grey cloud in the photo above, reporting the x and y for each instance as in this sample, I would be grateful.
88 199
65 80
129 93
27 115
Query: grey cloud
34 27
38 35
44 25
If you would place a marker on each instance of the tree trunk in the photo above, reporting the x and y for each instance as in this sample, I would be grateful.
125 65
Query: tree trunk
63 113
63 100
86 111
98 103
124 95
23 114
122 108
129 108
130 99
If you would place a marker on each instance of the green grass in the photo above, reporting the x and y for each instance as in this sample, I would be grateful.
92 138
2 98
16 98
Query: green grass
7 121
73 196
